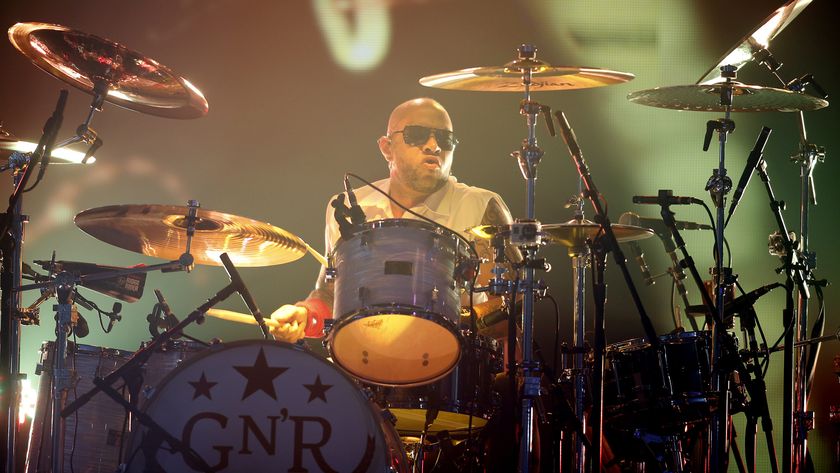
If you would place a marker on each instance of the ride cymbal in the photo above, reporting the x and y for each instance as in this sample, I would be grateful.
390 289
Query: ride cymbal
746 98
508 78
93 64
161 231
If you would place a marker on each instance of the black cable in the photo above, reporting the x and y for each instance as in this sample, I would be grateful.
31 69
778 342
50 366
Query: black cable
426 219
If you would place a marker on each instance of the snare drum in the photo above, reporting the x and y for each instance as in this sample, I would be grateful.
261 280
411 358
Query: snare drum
397 301
93 436
462 400
260 406
641 387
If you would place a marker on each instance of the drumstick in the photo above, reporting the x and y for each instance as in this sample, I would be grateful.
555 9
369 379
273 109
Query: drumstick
316 255
240 317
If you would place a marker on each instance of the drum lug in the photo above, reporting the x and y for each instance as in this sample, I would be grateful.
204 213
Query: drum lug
364 240
364 295
434 296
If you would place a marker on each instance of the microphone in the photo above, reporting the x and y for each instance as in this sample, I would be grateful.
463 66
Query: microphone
239 286
752 163
127 288
665 198
740 303
568 134
357 215
657 225
80 327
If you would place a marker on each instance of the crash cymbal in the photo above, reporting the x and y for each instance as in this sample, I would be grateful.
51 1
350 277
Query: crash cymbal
508 78
88 62
571 234
160 231
758 39
746 98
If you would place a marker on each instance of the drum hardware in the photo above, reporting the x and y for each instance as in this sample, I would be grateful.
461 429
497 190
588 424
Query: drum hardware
11 243
797 373
161 317
141 356
522 75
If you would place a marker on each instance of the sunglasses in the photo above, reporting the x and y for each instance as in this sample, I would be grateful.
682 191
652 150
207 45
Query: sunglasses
416 135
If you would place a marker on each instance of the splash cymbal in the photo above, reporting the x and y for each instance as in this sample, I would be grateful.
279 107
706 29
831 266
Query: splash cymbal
508 78
746 98
90 63
160 231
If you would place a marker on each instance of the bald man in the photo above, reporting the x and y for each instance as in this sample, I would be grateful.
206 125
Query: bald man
418 147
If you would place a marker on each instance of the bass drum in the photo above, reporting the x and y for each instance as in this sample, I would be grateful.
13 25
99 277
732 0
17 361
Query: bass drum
258 405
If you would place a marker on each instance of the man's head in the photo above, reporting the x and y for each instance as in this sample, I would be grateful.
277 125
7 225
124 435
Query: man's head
419 145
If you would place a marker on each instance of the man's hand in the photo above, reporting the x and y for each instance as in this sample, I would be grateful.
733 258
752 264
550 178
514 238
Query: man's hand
290 323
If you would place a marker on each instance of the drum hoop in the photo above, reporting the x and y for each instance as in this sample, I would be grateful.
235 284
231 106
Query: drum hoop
81 348
418 224
391 309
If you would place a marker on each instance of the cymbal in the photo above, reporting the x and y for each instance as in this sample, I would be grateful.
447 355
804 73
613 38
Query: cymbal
160 231
9 142
508 78
759 38
746 98
88 62
571 234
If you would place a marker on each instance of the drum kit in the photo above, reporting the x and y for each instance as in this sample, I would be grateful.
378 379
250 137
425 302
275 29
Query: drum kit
411 382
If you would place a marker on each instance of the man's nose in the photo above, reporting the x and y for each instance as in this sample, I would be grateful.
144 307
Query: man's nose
431 145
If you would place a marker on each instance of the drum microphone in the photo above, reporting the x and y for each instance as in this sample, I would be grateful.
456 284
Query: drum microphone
752 163
740 303
665 198
357 215
657 225
239 286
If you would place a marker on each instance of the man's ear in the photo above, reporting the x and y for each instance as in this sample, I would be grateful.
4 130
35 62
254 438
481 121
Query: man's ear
385 148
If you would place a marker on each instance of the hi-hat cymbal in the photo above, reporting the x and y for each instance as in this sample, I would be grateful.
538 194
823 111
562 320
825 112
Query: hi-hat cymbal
571 234
88 62
508 78
758 39
160 231
746 98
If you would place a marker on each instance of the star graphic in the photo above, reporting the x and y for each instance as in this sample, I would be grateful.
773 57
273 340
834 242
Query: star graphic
260 376
202 387
317 390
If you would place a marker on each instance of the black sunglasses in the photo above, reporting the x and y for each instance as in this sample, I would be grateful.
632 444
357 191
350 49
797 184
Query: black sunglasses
416 135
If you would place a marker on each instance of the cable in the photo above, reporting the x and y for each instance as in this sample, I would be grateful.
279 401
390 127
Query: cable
556 328
426 219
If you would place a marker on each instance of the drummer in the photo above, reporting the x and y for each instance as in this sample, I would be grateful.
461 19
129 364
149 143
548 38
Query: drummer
419 147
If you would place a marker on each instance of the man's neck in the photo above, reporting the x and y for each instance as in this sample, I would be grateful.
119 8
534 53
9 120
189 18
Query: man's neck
405 196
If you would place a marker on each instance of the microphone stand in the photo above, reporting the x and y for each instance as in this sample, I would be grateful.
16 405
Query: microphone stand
798 420
729 359
11 246
796 271
608 242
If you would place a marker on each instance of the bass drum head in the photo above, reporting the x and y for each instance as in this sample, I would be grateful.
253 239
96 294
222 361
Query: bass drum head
258 405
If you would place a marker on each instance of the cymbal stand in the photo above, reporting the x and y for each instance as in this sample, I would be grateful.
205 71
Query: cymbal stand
798 419
527 236
579 257
11 246
718 186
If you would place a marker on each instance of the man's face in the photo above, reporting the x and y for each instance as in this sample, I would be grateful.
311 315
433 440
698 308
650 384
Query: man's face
422 165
